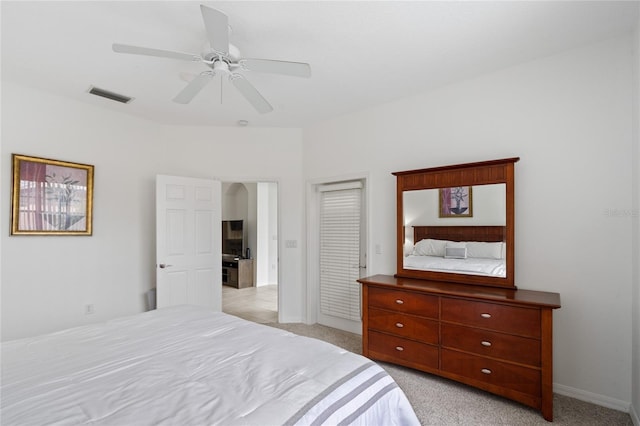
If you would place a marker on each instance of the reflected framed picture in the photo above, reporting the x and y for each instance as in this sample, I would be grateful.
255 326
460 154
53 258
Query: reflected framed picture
51 197
456 202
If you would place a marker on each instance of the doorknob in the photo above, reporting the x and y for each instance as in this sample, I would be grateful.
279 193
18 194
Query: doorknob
163 265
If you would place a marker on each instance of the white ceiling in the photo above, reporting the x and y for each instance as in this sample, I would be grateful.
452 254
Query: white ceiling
361 53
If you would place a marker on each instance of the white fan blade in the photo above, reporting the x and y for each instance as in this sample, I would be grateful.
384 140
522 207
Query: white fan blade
193 88
296 69
136 50
250 93
217 25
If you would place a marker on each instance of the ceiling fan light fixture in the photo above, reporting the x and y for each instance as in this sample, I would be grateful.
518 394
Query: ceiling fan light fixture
222 57
221 66
208 54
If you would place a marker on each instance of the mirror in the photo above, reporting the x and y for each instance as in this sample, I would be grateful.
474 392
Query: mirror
425 221
455 223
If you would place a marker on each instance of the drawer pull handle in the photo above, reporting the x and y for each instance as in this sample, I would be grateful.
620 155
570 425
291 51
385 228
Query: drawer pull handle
399 348
399 301
486 371
485 343
399 325
485 315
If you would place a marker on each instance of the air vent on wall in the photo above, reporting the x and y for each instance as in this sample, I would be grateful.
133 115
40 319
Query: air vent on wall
110 95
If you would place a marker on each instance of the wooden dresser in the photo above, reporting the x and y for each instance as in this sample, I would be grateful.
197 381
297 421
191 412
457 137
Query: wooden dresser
496 339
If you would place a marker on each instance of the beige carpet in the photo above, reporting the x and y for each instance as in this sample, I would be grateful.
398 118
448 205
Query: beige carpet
439 401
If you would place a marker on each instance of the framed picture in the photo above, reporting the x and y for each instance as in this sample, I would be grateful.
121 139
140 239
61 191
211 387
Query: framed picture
51 197
456 202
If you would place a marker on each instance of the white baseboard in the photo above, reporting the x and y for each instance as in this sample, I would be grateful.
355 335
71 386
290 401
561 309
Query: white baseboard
594 398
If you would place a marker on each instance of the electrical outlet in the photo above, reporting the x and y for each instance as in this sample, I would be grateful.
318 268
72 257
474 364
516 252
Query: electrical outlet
89 309
291 243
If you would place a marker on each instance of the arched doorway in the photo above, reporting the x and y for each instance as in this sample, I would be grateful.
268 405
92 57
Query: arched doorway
255 204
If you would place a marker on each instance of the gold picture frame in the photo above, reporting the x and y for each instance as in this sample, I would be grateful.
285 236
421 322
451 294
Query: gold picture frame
51 197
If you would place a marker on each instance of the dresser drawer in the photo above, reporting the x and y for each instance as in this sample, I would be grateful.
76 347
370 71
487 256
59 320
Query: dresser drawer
510 319
413 327
396 349
401 301
521 379
522 350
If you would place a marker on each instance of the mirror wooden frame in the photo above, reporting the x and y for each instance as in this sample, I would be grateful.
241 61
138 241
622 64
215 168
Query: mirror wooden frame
468 174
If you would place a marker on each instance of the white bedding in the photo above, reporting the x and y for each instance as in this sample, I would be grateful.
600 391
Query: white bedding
475 266
190 366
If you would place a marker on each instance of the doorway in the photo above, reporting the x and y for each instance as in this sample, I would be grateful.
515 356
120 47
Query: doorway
252 291
336 251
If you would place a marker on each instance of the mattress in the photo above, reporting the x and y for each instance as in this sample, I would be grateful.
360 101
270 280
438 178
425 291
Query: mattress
474 266
188 365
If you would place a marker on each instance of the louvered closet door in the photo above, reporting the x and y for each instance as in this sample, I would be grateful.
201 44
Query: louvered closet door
340 253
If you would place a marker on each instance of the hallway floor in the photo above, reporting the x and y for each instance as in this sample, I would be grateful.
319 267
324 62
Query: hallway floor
257 304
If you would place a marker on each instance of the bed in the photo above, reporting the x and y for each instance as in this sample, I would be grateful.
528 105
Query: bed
188 365
475 250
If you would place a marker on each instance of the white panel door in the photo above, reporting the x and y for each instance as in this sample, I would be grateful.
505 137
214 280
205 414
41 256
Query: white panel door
188 242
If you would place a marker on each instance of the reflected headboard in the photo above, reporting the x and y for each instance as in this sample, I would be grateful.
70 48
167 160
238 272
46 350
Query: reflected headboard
460 233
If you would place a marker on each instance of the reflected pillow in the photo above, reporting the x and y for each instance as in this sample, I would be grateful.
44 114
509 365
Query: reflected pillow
485 250
455 250
429 247
408 249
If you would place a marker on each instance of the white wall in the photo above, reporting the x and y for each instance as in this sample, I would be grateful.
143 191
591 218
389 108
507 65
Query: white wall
46 281
266 253
234 201
488 207
569 119
635 401
272 188
268 155
252 217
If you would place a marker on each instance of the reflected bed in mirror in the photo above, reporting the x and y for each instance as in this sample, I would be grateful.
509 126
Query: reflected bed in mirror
476 250
477 240
467 240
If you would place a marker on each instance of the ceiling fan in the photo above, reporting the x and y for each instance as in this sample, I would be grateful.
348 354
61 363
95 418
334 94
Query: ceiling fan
222 58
